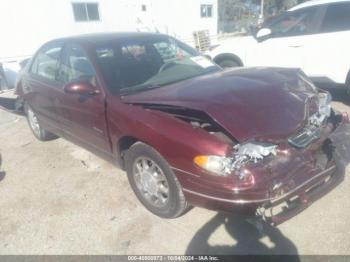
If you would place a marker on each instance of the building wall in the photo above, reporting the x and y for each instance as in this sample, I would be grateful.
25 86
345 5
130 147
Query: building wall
25 25
180 18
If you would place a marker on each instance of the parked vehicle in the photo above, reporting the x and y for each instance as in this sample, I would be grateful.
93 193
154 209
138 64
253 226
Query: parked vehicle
186 131
313 36
3 83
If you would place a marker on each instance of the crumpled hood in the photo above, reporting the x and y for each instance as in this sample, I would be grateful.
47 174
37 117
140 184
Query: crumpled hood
251 103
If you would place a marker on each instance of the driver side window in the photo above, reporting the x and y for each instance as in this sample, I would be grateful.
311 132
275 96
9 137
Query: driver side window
76 66
296 23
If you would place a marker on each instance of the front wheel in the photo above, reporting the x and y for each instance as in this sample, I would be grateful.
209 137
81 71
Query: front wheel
153 182
35 126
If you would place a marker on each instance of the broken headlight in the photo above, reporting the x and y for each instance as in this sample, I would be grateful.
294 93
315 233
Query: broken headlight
242 154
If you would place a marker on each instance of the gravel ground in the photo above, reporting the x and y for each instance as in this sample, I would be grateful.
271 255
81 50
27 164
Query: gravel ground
56 198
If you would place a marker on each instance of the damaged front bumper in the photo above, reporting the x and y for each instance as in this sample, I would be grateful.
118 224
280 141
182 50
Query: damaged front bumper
279 209
283 207
302 181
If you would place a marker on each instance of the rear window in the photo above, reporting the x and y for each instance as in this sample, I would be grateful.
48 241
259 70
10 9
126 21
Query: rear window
46 62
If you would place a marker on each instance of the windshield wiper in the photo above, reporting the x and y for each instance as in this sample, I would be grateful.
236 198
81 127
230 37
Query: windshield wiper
141 88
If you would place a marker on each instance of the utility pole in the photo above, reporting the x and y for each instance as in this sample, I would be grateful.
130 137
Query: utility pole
261 17
262 9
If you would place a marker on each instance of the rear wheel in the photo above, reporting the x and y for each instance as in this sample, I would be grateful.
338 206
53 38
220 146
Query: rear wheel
35 126
153 182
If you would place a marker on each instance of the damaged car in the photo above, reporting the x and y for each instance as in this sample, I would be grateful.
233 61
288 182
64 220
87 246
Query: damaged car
188 133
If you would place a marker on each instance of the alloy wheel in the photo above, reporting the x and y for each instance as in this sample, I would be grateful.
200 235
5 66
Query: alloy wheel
151 182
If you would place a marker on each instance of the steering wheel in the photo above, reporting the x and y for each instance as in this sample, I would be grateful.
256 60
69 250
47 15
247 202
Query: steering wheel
166 66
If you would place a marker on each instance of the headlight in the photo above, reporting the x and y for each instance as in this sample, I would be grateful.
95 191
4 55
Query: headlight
216 164
249 152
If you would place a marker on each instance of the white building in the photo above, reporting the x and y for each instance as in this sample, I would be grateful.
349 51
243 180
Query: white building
25 25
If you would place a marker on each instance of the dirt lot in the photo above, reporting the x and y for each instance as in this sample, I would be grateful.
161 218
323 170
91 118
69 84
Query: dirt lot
56 198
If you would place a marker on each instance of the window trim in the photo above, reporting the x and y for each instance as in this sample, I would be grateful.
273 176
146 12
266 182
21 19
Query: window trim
86 12
206 10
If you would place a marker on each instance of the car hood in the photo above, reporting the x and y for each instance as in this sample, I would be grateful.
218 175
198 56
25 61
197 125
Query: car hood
252 103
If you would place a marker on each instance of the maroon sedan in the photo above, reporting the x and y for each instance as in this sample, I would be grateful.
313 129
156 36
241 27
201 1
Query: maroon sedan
185 131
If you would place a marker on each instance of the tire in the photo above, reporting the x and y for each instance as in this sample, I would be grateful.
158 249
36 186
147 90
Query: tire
35 126
228 63
156 187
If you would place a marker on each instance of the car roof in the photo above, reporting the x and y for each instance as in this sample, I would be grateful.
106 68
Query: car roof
105 37
316 2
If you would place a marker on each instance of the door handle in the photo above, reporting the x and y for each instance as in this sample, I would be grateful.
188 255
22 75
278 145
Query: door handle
295 46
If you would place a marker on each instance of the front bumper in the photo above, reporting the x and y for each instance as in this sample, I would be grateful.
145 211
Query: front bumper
303 183
280 209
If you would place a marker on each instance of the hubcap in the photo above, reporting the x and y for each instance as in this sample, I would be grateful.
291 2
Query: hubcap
33 121
151 181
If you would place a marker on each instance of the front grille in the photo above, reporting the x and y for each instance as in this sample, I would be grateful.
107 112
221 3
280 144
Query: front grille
305 137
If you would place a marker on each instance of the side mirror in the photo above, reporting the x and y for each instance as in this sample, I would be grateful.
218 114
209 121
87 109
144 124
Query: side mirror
80 88
263 33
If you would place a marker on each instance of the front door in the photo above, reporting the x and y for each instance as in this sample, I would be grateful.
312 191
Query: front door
83 116
285 47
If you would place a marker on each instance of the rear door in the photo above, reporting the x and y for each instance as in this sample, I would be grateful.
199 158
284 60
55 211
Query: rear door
42 90
83 116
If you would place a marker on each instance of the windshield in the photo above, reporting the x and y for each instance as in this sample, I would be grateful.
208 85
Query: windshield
143 63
